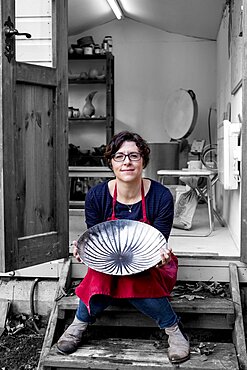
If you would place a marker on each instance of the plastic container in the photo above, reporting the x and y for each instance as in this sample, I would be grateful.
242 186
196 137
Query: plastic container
76 113
88 50
97 49
107 43
70 112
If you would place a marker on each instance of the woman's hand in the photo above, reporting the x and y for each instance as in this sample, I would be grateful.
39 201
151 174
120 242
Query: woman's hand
75 252
165 255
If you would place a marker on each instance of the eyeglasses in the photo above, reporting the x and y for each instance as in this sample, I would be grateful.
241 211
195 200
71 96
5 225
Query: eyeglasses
120 157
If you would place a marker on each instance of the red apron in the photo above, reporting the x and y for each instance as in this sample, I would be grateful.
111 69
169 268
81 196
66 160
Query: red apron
152 283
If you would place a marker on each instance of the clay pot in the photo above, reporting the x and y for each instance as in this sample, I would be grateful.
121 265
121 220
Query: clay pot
88 109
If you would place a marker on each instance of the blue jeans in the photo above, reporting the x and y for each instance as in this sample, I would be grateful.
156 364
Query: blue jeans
159 309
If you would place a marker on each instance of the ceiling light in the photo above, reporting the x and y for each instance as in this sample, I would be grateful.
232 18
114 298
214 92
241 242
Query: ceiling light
115 8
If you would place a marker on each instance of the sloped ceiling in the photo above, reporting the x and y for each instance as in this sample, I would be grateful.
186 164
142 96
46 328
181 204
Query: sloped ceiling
196 18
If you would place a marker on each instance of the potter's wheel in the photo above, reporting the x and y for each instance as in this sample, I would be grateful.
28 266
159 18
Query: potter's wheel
180 114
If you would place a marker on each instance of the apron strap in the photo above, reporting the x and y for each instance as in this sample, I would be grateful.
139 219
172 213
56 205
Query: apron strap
144 212
114 201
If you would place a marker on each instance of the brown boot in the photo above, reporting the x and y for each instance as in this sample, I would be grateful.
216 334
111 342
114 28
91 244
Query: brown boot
179 347
71 338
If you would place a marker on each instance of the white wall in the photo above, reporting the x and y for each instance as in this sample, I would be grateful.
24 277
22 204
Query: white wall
149 65
228 201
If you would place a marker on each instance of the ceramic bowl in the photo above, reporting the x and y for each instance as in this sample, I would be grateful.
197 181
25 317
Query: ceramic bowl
121 247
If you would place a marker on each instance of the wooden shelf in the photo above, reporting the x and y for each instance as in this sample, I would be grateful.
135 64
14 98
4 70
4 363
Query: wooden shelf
87 81
75 204
90 171
75 56
83 120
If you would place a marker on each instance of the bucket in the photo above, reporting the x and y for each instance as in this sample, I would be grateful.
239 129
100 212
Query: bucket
163 156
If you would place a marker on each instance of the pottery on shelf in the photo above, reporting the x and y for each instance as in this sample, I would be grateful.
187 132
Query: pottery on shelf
88 109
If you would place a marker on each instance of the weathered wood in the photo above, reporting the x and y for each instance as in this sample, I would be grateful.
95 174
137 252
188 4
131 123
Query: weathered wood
243 207
6 145
207 321
33 146
63 283
192 269
136 319
36 246
60 60
129 354
126 354
238 331
211 313
32 74
207 305
4 309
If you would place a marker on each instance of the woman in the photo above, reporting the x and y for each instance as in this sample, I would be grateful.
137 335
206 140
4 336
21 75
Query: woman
129 196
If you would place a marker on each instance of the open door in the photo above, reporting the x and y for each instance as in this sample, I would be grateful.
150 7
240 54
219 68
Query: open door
33 149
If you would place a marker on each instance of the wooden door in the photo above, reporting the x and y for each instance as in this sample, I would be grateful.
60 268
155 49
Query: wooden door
33 152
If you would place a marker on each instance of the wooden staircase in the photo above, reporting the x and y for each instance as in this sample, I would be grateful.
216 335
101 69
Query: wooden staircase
118 345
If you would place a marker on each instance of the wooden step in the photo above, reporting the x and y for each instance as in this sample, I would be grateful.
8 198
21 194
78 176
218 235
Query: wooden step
138 354
208 313
100 352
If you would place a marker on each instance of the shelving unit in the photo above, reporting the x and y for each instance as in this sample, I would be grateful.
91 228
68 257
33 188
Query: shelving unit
82 130
81 179
105 62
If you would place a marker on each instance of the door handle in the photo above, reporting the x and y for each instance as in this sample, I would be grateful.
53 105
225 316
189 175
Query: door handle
10 32
13 32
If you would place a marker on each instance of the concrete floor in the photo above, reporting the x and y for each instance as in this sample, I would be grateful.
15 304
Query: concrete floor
218 243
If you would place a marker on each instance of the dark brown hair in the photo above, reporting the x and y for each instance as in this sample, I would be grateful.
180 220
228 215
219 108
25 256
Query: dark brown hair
117 141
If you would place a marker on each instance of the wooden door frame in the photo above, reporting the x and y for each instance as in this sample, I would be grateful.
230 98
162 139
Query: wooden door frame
243 235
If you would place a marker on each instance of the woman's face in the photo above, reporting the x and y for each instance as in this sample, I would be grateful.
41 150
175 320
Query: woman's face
128 170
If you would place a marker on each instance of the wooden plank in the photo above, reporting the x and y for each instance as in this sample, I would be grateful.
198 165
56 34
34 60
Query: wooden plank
60 60
208 321
208 305
32 74
8 203
4 309
238 332
192 269
129 354
63 284
45 270
211 313
192 321
243 207
32 248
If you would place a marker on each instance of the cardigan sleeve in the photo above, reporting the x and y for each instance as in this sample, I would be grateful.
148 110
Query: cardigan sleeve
163 213
97 204
92 209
